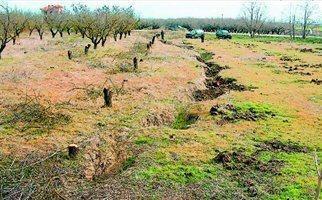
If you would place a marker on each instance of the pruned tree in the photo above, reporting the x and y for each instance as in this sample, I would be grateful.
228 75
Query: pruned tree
31 24
97 25
253 15
19 22
80 16
40 25
55 22
109 19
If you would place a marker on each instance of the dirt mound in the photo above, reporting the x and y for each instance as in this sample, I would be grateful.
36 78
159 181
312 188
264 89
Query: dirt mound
278 146
158 118
306 65
306 50
316 81
297 70
231 113
237 160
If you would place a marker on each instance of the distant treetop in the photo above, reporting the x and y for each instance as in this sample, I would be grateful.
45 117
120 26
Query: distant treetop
52 9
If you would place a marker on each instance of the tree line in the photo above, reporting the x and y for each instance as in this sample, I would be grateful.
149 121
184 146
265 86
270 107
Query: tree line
96 25
253 20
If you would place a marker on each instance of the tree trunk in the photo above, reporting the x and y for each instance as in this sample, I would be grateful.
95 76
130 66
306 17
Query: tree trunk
135 63
68 31
69 53
252 34
107 97
304 24
53 33
103 41
121 35
115 37
293 27
30 32
1 49
14 40
61 33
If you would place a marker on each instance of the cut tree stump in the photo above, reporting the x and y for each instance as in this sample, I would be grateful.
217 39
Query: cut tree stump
87 48
107 97
69 53
202 37
162 35
72 150
135 63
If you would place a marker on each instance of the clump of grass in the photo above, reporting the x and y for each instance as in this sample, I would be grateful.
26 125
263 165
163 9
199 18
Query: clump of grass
143 140
33 116
129 162
206 56
184 119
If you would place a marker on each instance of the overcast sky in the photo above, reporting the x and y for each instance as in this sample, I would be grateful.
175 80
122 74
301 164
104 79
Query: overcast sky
175 8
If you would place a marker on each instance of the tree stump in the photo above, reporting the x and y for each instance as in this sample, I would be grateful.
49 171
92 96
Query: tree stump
162 35
87 48
72 150
135 63
202 37
69 53
107 97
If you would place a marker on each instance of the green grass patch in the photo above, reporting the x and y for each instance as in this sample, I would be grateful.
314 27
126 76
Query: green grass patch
184 119
177 173
141 140
268 39
129 162
206 56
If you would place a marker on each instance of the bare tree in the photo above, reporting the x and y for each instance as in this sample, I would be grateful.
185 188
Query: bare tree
7 31
253 15
307 7
292 21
